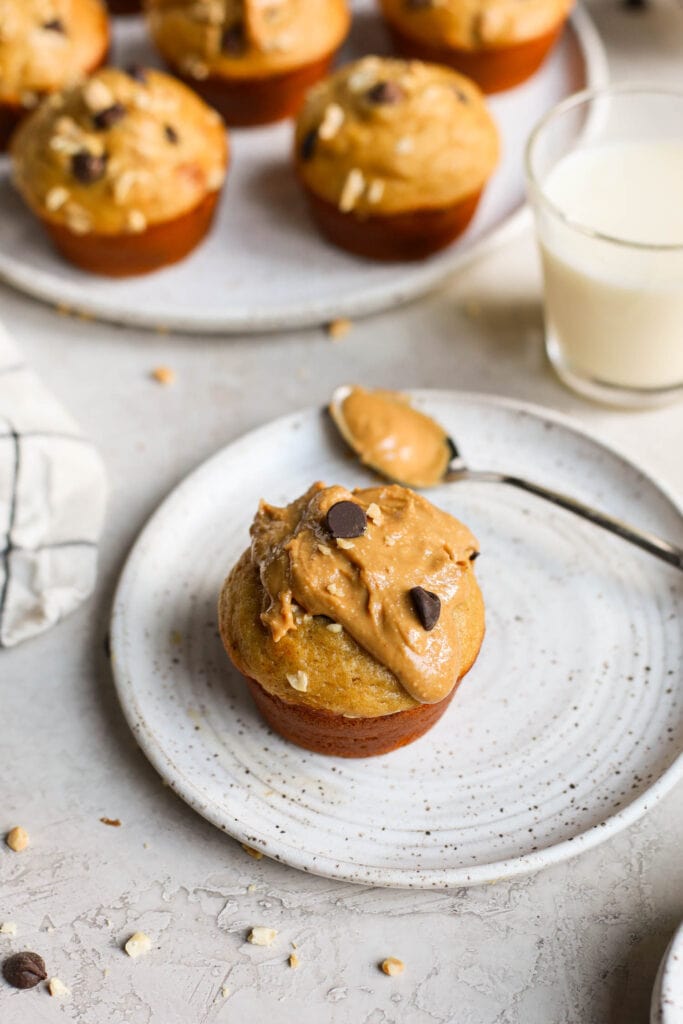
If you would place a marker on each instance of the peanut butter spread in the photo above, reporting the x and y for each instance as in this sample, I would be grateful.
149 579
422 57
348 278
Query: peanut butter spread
476 24
126 150
394 438
386 136
246 38
46 45
395 587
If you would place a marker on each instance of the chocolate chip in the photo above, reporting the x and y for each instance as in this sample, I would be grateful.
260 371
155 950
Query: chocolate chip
171 134
88 168
385 92
427 607
137 72
233 40
452 448
461 94
108 117
346 519
24 970
55 25
474 556
308 142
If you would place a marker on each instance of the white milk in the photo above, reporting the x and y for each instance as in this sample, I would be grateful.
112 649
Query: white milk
614 312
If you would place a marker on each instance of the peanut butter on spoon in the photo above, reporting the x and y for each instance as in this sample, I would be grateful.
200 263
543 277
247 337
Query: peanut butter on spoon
390 436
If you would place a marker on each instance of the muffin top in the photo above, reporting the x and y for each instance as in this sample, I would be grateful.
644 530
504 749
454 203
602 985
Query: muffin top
384 564
46 45
386 136
245 38
125 150
476 24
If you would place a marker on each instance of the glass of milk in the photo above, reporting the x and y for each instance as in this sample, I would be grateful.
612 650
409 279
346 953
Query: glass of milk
605 179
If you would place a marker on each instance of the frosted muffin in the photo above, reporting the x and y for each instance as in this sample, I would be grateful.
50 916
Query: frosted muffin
46 45
123 171
393 156
252 61
498 43
353 616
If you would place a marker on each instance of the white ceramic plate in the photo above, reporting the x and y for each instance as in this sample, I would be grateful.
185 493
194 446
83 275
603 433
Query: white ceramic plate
265 266
667 996
568 728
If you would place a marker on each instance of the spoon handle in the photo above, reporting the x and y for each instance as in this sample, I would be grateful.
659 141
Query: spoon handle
641 538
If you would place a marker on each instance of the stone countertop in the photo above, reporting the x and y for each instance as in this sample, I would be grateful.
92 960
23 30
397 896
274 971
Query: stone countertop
575 944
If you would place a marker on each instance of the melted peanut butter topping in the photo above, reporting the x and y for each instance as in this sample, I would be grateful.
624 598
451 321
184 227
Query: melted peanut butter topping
364 583
395 439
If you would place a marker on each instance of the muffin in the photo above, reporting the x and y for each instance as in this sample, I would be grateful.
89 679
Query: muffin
252 61
353 617
123 171
498 43
393 156
45 46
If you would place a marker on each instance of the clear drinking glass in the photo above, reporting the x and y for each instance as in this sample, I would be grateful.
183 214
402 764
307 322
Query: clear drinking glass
605 180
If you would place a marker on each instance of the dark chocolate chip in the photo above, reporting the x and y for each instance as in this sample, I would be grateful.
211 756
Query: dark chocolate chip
461 94
137 72
233 40
385 92
452 448
24 970
171 134
474 556
307 148
427 607
346 519
88 168
108 117
55 25
634 5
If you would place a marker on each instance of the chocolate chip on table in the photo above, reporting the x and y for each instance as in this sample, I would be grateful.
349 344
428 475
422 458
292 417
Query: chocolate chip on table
427 607
307 148
171 134
88 168
55 25
24 970
233 40
385 93
108 117
346 519
137 72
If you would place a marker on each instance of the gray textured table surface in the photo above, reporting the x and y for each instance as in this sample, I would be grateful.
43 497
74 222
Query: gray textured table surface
575 944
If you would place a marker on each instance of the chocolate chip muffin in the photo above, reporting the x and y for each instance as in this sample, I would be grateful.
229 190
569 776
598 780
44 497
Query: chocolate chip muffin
353 616
123 171
46 45
253 61
498 43
394 155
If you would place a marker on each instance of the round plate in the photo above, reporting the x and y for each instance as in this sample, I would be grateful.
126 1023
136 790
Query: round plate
569 726
667 995
264 265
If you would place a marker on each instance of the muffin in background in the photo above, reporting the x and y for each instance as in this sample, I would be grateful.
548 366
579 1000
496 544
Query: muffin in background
45 46
498 43
353 616
124 171
393 156
252 61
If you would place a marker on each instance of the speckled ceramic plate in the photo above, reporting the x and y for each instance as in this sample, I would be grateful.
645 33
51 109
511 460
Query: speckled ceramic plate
568 728
265 266
667 996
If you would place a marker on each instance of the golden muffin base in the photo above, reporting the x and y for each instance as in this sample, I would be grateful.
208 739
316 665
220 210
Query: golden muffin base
131 255
355 707
494 70
244 102
398 237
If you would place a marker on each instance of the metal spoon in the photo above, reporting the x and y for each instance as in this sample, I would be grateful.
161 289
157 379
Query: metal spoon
457 470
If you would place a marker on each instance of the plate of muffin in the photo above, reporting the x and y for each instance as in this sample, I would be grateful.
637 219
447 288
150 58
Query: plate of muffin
220 167
406 687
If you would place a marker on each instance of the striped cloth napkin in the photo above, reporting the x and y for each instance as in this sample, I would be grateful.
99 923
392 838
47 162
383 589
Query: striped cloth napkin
52 502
